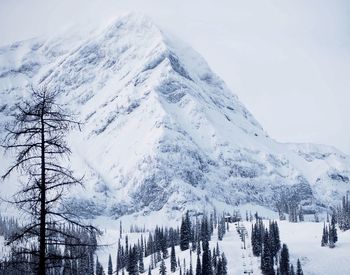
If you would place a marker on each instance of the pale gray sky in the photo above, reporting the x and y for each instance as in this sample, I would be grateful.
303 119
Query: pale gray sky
288 61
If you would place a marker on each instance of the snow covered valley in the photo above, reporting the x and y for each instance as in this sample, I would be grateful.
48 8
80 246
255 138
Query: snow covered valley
303 240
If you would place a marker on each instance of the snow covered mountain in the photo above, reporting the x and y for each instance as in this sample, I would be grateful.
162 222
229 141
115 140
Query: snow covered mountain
161 130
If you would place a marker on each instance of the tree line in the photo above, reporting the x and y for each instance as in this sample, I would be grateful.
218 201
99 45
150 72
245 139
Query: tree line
193 235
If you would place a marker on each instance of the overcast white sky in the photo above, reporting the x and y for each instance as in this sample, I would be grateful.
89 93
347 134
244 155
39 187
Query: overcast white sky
288 61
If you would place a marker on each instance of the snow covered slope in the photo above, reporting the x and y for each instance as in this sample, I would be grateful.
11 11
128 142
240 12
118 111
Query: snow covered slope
161 130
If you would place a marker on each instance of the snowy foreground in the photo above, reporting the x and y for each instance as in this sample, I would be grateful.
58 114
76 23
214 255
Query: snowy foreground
303 240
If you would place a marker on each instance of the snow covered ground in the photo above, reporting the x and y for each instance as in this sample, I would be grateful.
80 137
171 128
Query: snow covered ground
238 259
303 240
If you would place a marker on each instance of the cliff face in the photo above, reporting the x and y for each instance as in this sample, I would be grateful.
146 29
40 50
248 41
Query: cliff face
161 130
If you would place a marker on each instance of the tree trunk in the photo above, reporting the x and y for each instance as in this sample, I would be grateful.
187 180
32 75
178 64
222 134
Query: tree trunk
42 236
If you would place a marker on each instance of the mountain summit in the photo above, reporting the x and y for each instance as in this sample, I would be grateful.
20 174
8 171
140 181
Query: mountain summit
161 130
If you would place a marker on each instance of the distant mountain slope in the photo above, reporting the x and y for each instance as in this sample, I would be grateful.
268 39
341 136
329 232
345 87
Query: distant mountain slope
161 130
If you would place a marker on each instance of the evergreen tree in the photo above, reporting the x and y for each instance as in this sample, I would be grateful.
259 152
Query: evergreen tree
206 260
257 237
198 266
149 270
141 264
343 214
199 248
110 267
333 237
214 259
221 228
275 239
224 264
325 236
132 261
218 269
185 232
284 260
292 270
191 268
205 230
162 268
299 269
99 268
173 263
266 256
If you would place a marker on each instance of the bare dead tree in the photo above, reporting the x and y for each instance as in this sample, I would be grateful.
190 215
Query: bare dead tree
37 136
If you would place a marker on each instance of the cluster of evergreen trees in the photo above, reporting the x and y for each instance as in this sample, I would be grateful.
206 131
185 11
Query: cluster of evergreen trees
343 214
211 263
284 267
8 225
295 213
131 258
76 258
193 235
266 243
329 235
265 238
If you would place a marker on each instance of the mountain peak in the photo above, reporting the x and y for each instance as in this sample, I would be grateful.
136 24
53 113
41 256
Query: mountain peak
162 130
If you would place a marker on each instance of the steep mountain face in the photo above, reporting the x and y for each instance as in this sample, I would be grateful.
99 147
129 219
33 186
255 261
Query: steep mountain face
161 130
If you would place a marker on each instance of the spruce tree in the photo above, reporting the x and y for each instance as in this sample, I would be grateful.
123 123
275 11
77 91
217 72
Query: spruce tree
141 263
325 237
206 260
205 230
299 269
333 236
214 259
198 266
266 256
162 268
257 237
284 260
276 243
99 268
173 263
110 267
191 268
221 229
132 261
185 233
291 270
224 264
218 269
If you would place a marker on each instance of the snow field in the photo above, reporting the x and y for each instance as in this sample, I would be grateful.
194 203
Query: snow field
303 240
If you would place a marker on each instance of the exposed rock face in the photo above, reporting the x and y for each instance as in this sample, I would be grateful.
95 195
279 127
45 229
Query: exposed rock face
161 129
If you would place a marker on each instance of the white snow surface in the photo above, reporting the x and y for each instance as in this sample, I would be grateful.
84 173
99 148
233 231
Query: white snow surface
161 131
303 240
